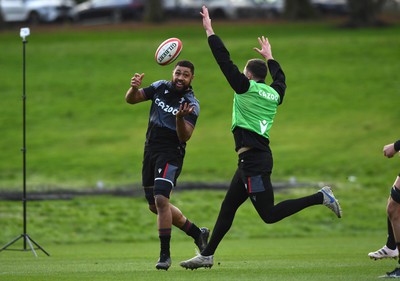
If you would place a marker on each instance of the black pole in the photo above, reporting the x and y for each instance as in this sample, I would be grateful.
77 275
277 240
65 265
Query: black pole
24 41
27 240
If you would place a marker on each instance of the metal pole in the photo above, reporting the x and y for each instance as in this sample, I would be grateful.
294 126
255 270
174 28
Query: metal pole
24 138
27 240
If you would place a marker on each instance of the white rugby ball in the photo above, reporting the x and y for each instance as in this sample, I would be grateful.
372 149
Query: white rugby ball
168 51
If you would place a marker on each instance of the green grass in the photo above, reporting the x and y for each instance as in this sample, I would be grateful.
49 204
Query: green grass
115 238
338 112
102 219
317 258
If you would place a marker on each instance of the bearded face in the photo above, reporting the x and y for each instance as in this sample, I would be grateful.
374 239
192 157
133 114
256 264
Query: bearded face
182 78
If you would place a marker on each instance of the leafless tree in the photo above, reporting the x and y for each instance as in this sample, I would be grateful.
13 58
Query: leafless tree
299 9
153 11
365 13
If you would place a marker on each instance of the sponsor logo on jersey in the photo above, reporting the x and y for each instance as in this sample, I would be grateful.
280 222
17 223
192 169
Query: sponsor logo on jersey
263 126
166 107
268 96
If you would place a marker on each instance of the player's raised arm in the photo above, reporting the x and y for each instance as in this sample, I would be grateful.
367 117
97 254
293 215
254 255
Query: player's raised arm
206 21
134 94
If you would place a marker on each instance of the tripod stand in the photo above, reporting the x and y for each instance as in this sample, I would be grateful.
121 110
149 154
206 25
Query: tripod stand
26 239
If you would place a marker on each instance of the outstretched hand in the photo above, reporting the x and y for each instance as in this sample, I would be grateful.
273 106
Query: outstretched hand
206 21
184 109
265 50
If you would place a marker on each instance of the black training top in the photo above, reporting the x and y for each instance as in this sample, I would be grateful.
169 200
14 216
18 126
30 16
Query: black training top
161 131
240 84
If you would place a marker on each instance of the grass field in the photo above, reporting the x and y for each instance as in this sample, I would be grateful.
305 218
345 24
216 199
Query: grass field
115 238
300 259
339 111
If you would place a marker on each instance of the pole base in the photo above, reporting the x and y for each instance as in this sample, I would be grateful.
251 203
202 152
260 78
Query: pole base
28 240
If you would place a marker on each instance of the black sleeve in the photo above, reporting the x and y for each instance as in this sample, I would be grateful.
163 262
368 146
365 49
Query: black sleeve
278 78
238 81
397 145
151 90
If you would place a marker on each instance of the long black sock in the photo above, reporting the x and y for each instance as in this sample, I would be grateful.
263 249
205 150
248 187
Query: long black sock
390 243
165 238
191 229
398 259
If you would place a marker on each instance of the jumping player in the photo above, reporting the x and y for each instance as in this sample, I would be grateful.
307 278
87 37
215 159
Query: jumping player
254 109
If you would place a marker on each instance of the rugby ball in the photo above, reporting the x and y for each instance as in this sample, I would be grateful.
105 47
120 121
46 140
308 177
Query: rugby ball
168 51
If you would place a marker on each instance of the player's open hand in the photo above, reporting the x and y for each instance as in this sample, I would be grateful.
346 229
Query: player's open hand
206 21
184 109
265 50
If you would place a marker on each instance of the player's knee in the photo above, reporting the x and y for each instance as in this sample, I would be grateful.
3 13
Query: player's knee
393 207
162 202
268 219
162 190
393 210
269 216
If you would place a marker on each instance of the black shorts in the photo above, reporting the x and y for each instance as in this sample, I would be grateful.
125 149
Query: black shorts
161 170
255 168
395 194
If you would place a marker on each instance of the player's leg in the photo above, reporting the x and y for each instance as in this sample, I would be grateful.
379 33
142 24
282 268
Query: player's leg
199 235
157 192
162 190
168 168
390 241
234 197
256 167
172 161
389 250
393 211
270 213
